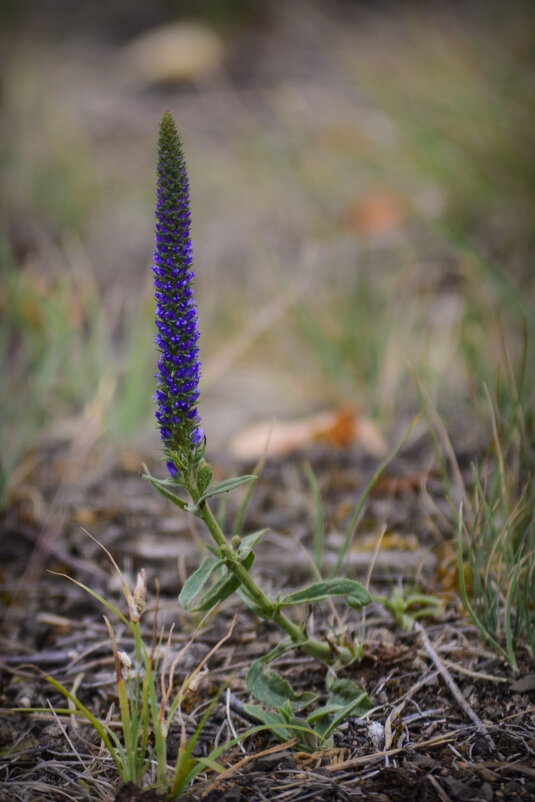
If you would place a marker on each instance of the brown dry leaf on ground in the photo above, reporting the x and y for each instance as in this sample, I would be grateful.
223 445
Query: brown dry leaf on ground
378 215
342 427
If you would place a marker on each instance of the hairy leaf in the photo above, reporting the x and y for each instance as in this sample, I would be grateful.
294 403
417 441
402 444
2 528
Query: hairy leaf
223 588
330 587
161 486
226 486
195 583
249 541
268 686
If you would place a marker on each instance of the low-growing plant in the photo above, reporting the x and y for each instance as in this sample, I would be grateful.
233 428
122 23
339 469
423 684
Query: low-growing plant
344 699
184 441
408 606
227 569
496 536
496 519
231 558
149 701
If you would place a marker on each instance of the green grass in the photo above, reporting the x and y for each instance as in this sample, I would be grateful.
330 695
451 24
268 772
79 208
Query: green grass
497 531
150 700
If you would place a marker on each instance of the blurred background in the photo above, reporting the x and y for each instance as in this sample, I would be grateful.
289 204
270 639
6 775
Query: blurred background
363 197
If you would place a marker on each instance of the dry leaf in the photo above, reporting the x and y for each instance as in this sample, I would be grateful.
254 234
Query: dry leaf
393 541
340 428
379 214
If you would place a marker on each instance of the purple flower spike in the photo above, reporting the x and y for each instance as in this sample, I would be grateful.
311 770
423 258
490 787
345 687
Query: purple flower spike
179 368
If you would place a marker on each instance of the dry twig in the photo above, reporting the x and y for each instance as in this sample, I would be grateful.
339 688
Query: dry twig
453 687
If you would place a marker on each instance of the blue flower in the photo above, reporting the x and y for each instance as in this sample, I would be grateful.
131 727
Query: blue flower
179 368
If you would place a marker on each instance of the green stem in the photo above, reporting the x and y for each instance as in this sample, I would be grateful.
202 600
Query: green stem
321 651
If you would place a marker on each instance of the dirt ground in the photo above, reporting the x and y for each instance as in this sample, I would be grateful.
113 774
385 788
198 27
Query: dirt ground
420 742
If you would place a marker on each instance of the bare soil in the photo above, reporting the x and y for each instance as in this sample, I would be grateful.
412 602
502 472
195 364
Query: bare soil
419 742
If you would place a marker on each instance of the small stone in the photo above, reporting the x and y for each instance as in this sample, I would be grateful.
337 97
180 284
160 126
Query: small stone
524 684
486 792
423 761
513 790
458 790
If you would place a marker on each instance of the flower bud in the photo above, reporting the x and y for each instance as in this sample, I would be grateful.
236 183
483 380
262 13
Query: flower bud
126 664
140 592
204 477
137 601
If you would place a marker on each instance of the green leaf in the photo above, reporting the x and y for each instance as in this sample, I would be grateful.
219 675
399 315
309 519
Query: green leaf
321 712
285 726
161 486
345 699
195 583
223 588
274 720
330 587
225 487
168 481
268 686
362 704
240 518
355 602
345 691
249 541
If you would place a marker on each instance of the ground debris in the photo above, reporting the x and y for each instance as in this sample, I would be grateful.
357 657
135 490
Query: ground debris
419 742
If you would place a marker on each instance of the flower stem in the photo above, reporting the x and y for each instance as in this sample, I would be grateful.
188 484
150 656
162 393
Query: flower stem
321 651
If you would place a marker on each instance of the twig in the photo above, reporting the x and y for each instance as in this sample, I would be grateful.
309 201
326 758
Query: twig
65 733
43 659
363 759
443 796
231 725
375 555
237 766
453 687
474 674
389 736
